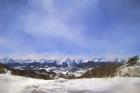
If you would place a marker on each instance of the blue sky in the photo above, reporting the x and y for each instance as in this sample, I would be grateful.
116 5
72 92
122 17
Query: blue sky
76 28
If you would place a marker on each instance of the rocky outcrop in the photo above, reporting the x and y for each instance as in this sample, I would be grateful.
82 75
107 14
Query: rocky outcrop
3 68
130 69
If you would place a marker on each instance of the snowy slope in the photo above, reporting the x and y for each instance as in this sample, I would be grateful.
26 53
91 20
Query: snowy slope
129 71
16 84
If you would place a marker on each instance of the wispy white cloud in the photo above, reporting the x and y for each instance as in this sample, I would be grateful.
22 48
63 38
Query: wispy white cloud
54 20
92 26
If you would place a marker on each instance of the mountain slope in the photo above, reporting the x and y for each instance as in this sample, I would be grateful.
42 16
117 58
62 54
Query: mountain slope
16 84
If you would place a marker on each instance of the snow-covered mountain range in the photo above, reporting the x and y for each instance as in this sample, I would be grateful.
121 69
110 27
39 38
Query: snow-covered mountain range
66 66
66 62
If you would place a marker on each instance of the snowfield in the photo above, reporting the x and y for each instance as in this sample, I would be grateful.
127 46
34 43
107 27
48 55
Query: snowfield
17 84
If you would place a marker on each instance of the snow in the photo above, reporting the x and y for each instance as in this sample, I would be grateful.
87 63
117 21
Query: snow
17 84
131 71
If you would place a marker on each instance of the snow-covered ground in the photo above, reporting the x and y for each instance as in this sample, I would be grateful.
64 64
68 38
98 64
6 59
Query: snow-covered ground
17 84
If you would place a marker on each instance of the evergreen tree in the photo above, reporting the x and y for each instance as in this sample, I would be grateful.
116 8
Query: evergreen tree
133 60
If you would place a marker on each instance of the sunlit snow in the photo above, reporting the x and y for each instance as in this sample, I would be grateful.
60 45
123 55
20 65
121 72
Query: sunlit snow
17 84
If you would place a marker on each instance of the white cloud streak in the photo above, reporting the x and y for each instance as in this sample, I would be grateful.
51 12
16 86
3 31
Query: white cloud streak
53 20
